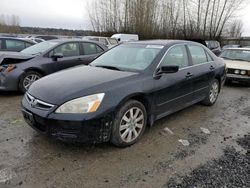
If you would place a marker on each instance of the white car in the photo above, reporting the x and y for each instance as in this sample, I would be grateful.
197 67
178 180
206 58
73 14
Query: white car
125 37
238 64
109 42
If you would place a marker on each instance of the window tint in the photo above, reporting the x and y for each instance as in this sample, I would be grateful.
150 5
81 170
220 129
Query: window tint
68 49
104 41
0 44
198 55
28 44
90 48
15 45
176 56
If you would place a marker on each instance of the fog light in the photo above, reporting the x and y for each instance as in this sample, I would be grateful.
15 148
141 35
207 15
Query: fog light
237 71
243 72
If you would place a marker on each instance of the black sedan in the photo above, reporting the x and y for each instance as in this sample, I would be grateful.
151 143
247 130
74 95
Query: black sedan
126 88
14 44
18 70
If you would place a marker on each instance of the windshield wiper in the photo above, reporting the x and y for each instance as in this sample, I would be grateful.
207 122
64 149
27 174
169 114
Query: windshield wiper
108 67
239 59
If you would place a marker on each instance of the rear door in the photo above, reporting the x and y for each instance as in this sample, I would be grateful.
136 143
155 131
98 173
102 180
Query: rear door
174 91
203 69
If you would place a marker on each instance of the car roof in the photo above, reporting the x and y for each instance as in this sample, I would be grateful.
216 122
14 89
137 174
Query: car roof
242 49
20 39
163 42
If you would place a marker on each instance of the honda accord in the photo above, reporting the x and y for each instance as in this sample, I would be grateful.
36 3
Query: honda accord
123 90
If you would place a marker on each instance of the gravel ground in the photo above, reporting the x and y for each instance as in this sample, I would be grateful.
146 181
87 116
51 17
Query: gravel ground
230 170
197 147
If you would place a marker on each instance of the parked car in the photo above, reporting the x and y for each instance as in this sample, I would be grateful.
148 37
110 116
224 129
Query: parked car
36 40
238 64
123 90
14 44
125 37
107 41
231 46
214 46
19 70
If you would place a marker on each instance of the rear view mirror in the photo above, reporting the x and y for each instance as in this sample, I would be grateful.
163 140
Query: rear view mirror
56 56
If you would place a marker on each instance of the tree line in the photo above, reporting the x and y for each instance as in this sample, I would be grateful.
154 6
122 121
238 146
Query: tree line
9 24
204 19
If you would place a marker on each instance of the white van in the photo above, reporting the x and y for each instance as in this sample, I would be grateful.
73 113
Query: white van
125 37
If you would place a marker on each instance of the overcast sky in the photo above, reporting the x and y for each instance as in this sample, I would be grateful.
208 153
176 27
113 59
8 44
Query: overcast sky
68 14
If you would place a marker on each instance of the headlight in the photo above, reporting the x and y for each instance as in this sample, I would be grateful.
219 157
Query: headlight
243 72
82 105
237 71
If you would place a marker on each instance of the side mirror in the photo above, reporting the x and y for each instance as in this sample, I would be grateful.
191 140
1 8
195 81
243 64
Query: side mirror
56 56
166 70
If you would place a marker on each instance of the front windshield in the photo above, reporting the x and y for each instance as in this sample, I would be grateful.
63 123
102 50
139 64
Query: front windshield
39 48
113 41
241 55
128 57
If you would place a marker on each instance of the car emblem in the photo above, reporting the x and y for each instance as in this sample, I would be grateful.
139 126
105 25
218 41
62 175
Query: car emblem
33 102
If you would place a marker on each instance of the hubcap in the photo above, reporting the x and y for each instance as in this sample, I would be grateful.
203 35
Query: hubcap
30 79
131 124
214 92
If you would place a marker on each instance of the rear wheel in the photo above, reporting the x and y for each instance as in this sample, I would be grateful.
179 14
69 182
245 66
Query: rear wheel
27 79
212 94
129 124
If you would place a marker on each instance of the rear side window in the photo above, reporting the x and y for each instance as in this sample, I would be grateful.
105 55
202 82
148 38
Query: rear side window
68 49
90 48
198 54
14 45
176 56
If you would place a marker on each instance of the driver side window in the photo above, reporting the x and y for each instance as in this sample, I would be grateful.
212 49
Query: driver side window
176 56
68 50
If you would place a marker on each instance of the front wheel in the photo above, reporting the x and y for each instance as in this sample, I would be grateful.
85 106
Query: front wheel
129 124
212 94
27 79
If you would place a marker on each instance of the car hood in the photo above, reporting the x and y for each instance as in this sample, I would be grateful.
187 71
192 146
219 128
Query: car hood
243 65
14 57
80 81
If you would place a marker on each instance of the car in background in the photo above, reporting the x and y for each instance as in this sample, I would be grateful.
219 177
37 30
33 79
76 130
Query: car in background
19 70
214 46
123 90
238 64
107 41
14 44
125 37
231 46
36 40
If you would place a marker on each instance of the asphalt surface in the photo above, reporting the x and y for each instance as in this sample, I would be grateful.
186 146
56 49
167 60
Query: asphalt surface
196 147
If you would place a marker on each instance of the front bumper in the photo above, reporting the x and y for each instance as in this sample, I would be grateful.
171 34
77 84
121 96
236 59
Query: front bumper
87 130
238 78
9 81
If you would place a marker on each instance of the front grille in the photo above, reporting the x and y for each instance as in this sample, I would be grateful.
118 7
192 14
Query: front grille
36 103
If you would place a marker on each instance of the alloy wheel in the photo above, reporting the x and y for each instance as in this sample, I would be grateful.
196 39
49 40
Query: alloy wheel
30 79
131 124
214 91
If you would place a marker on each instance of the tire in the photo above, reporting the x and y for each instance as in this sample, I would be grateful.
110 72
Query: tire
212 94
126 130
32 76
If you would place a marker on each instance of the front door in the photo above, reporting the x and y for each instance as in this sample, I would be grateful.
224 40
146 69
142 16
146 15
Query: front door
174 91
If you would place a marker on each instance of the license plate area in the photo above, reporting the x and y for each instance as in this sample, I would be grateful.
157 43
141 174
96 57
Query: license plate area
28 117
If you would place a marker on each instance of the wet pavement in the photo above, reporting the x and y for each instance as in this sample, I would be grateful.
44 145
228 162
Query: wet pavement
181 150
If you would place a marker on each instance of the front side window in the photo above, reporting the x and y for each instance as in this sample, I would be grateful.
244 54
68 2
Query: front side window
176 56
198 54
90 48
129 57
68 49
14 45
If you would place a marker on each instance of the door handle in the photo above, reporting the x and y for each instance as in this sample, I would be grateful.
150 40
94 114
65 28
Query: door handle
189 75
212 67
